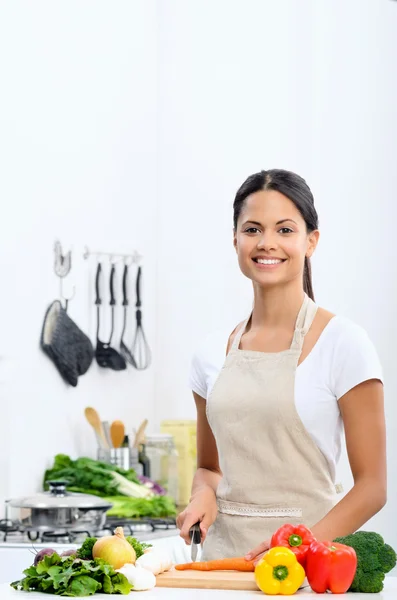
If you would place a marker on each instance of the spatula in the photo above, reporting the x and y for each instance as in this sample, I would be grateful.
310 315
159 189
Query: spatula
140 434
94 420
117 433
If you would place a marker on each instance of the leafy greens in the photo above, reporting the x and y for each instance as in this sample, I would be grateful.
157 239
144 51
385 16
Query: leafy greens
139 547
72 577
88 476
130 508
129 497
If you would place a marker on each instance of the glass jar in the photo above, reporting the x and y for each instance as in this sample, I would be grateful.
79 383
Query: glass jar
163 456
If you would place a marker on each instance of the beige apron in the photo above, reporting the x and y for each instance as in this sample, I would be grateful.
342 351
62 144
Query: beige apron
273 472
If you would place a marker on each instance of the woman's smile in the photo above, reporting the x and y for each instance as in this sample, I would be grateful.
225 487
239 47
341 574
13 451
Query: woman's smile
268 263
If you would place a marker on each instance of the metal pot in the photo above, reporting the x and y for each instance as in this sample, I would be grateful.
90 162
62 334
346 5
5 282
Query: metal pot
58 510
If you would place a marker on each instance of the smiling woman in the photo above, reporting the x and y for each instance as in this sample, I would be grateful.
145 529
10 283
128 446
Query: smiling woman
270 414
275 211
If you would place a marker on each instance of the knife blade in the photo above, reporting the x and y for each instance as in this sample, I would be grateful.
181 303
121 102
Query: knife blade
195 539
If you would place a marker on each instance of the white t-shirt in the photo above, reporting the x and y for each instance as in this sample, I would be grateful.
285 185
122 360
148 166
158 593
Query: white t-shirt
343 357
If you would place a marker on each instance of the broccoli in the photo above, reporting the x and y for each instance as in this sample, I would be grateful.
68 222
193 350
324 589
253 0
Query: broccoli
374 559
139 547
85 551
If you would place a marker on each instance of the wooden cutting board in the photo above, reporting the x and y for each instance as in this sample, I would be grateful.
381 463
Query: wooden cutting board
207 580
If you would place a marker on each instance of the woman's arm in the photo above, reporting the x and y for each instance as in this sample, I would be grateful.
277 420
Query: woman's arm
208 472
362 410
202 506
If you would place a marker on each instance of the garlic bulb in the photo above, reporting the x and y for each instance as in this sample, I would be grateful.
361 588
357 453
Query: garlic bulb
141 579
155 561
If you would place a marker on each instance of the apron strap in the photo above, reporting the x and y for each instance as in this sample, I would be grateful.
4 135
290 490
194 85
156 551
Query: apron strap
238 336
303 322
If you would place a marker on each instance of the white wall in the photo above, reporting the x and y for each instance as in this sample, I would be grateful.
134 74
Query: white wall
78 157
131 125
306 86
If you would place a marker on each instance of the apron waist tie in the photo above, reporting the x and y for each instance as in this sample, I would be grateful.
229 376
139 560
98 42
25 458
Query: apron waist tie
253 510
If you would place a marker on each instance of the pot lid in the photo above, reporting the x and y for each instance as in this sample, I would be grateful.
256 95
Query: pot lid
59 497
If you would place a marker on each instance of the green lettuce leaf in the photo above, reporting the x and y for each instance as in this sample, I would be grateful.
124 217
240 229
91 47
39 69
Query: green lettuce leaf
128 507
82 585
70 576
120 584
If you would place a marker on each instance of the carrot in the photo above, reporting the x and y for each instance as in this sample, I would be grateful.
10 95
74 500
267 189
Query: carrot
222 564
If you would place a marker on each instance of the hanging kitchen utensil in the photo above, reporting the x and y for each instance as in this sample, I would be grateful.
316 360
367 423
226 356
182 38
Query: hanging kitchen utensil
94 420
105 355
61 339
124 350
117 433
140 347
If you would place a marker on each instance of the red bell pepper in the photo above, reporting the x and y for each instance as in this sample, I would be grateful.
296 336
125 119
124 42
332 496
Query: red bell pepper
295 537
330 567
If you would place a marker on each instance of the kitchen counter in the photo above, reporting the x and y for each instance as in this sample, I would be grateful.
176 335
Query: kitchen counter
389 593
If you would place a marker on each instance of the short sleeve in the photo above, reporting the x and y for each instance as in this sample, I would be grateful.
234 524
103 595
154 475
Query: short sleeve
197 378
355 359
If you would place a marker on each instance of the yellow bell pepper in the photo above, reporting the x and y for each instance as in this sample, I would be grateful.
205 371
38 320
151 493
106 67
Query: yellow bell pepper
278 572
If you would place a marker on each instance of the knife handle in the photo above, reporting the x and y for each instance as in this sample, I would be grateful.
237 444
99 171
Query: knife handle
195 533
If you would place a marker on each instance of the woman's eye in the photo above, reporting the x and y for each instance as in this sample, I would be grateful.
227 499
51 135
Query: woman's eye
251 230
285 230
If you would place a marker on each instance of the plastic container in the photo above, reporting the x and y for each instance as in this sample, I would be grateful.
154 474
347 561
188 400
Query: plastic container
163 456
184 433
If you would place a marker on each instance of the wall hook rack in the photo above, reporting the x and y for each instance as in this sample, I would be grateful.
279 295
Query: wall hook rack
62 266
114 257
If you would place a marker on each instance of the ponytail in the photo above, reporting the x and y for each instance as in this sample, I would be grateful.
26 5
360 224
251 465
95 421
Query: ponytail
307 279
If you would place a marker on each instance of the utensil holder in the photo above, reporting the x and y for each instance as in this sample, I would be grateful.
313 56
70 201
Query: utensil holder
119 457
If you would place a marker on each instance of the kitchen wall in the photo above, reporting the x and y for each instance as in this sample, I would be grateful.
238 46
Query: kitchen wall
78 157
132 127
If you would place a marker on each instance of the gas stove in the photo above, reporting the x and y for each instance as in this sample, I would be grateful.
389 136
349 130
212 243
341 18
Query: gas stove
147 529
17 547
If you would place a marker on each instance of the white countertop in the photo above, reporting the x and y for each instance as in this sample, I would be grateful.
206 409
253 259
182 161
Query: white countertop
389 593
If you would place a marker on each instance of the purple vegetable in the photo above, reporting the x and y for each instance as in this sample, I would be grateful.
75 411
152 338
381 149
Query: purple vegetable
152 485
40 555
70 552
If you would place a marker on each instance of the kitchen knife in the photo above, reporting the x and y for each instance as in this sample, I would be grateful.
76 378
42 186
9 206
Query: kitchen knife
195 539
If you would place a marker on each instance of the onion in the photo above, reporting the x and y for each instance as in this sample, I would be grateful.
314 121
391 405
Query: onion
40 555
114 549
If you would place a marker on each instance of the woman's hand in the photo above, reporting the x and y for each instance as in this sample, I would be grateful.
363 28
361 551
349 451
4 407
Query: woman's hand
202 508
257 553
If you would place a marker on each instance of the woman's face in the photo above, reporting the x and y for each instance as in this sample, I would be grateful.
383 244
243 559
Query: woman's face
271 239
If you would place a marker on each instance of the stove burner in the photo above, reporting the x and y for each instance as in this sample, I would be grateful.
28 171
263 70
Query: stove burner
140 524
67 536
135 527
7 526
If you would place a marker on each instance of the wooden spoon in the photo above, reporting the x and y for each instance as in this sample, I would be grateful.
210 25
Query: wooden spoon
94 420
117 433
140 434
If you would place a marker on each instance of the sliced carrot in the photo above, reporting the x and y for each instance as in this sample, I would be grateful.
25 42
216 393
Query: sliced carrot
222 564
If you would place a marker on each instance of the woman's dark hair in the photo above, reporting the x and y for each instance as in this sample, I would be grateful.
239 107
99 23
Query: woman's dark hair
293 187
